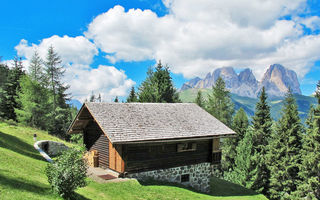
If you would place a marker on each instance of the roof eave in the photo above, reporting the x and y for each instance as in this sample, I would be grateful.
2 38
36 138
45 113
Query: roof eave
177 139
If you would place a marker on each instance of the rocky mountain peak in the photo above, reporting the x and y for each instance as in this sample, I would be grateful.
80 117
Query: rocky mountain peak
247 76
278 79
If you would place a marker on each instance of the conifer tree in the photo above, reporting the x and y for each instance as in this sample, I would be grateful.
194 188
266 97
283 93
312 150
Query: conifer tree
36 71
284 154
199 99
158 87
99 98
310 171
262 129
132 96
116 100
33 99
11 87
4 71
245 170
220 104
92 98
240 125
60 113
54 72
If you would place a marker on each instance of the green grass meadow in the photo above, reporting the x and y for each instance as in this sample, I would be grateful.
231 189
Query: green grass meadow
22 176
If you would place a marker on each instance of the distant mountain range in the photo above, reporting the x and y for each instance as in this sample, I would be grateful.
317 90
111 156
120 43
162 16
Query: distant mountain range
276 80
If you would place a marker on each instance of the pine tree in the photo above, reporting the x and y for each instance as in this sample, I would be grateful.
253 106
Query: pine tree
284 154
60 113
245 170
310 171
4 71
33 98
240 125
9 94
99 99
116 100
92 98
132 96
199 99
36 71
158 87
219 103
262 128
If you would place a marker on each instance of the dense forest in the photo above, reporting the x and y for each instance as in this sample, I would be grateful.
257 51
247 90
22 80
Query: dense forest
277 158
36 98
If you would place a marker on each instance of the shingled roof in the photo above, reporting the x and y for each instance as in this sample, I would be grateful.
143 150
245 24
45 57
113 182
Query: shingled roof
132 122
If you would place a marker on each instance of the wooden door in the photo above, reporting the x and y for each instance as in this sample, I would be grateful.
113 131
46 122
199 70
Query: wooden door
116 162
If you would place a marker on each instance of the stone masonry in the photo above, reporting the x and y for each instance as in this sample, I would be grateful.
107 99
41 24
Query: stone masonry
52 148
196 176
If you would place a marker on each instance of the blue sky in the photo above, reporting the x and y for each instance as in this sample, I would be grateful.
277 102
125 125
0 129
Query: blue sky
107 46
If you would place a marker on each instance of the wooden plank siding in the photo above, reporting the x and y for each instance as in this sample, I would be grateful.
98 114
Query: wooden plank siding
115 155
151 156
96 140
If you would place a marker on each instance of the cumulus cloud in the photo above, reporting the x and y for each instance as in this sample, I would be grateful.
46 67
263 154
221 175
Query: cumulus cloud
77 50
77 54
106 80
196 37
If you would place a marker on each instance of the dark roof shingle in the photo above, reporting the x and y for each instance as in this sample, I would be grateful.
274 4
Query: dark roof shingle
130 122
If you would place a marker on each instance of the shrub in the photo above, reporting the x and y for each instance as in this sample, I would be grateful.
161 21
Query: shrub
67 173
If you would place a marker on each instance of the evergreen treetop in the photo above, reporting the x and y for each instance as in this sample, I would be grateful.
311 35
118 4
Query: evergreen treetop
285 149
158 86
240 124
132 96
219 103
199 99
36 71
262 127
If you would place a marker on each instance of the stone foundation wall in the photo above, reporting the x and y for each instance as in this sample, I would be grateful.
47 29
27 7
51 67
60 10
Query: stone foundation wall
52 148
198 175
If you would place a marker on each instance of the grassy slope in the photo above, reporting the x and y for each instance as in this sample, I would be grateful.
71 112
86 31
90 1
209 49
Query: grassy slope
22 176
248 104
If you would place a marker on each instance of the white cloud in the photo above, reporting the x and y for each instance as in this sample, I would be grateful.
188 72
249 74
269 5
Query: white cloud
10 63
312 22
77 50
196 37
106 80
77 54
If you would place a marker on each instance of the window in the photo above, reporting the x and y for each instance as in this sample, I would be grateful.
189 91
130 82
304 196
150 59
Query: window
185 178
216 158
187 146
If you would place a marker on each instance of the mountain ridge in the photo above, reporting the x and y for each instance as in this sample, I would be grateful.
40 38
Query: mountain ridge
276 80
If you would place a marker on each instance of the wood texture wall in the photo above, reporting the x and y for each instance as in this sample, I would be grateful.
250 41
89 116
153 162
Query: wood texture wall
96 140
142 157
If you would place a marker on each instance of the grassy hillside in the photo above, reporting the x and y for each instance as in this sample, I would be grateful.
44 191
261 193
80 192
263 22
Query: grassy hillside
22 176
248 104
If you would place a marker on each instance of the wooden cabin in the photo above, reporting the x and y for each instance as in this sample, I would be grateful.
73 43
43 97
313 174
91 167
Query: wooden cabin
139 137
131 137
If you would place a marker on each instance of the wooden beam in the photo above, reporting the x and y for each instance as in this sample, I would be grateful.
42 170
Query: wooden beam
84 118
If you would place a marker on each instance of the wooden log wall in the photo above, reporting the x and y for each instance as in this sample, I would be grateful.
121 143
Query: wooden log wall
96 140
143 157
